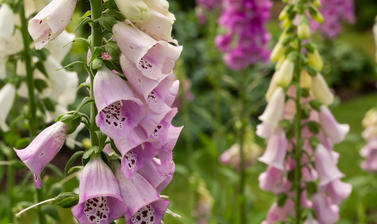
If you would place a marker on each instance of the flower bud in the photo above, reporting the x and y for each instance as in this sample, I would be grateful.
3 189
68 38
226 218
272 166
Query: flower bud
321 90
283 77
135 10
305 80
277 52
315 60
303 30
318 17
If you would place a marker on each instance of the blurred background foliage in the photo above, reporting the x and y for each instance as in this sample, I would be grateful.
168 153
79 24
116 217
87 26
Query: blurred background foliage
208 108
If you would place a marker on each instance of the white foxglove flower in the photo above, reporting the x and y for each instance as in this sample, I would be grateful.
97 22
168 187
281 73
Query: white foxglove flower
7 94
6 22
321 90
60 46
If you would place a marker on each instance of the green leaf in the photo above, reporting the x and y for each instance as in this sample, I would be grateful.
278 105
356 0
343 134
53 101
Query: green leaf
87 14
71 160
282 199
311 188
40 84
74 169
107 22
313 127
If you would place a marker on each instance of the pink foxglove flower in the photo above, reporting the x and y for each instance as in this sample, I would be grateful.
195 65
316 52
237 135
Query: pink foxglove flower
155 59
273 180
119 110
276 150
51 21
336 132
7 95
100 200
150 214
369 151
158 174
326 166
327 213
338 191
43 149
274 110
276 213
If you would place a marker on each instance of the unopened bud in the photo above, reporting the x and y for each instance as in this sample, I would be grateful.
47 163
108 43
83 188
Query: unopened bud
277 52
315 60
283 77
321 90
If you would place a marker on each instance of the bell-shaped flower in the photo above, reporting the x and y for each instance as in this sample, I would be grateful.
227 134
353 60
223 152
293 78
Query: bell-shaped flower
276 150
321 90
43 149
51 21
326 212
276 213
152 17
283 77
273 180
136 192
315 60
275 108
134 159
6 22
149 214
156 59
119 110
7 95
100 200
62 84
325 163
60 46
158 174
159 95
338 191
335 131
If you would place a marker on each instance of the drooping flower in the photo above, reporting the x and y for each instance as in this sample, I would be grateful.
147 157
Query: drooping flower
119 110
245 39
327 213
326 166
7 95
59 47
100 200
321 91
6 22
275 108
43 149
273 180
276 150
369 151
51 21
336 132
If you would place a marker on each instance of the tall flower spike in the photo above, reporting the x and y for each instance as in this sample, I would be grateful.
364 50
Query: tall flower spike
119 110
43 149
51 21
7 95
99 196
155 59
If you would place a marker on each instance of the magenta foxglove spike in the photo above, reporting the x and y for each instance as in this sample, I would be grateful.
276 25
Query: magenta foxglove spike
43 149
99 196
51 21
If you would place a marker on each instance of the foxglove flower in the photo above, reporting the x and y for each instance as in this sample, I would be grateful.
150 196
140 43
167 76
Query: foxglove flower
155 59
369 151
321 90
59 47
152 17
327 213
158 174
6 22
274 110
338 191
43 149
100 200
231 156
326 166
51 21
273 180
7 95
336 132
276 213
276 150
150 214
119 110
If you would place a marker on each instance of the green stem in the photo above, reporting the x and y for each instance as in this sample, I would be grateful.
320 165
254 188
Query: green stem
242 171
29 70
96 41
298 131
30 84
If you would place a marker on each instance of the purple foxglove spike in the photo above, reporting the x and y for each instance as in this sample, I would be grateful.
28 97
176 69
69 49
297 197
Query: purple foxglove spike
135 159
119 110
136 192
338 191
156 59
273 180
325 163
327 213
276 213
51 21
276 150
43 149
153 96
150 214
335 131
158 174
99 195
